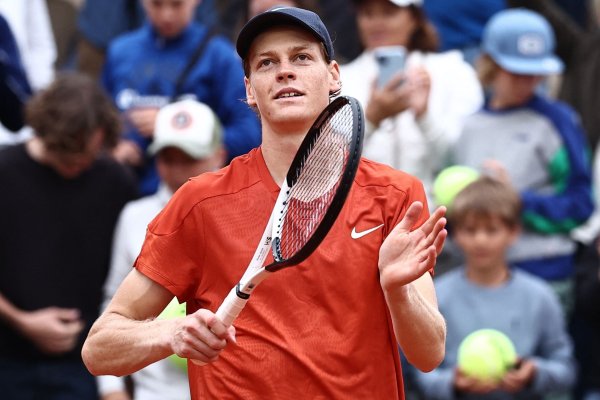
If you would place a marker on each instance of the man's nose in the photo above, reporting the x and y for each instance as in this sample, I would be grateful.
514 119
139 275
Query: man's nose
286 71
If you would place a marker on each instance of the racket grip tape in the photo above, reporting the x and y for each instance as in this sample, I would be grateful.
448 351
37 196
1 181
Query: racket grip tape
228 311
231 306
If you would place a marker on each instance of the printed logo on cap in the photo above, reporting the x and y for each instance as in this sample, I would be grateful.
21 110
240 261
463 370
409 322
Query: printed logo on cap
181 120
531 44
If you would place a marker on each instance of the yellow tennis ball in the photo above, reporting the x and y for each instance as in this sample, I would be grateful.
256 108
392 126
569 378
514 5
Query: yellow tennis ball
486 355
450 181
174 310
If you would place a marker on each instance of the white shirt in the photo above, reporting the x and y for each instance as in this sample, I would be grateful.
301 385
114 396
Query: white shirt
161 380
418 146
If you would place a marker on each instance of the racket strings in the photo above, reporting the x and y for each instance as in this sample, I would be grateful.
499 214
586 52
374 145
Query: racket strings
319 177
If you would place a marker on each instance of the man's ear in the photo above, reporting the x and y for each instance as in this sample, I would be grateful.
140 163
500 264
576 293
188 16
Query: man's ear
250 99
335 84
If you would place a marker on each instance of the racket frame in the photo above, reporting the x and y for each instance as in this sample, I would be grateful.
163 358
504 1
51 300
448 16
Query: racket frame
256 272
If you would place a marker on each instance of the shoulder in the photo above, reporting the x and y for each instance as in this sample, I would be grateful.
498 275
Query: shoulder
450 61
192 200
10 153
533 284
372 174
553 109
449 67
124 42
220 48
114 172
450 57
234 178
365 58
141 207
14 160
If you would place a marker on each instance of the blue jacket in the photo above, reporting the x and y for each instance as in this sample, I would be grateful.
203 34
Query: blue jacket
100 21
461 24
14 86
142 68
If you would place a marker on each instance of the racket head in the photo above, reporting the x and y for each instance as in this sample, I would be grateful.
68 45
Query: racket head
318 182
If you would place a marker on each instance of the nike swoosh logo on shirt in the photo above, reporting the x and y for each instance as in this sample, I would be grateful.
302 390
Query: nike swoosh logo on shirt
358 235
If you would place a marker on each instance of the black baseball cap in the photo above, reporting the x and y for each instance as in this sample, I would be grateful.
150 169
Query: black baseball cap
278 16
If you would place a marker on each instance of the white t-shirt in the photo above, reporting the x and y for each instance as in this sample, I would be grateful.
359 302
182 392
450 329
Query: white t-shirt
162 380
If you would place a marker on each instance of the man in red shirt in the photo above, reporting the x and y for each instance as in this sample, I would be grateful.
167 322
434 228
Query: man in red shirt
327 328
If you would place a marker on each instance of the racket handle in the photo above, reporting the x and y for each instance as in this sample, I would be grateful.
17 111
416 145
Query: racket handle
231 307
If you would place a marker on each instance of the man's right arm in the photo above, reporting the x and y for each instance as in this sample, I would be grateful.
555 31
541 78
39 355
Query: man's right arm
127 336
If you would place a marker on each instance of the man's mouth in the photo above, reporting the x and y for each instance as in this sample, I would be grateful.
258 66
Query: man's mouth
287 94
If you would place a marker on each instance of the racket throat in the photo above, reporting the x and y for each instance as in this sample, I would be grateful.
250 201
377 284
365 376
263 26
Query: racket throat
245 288
241 294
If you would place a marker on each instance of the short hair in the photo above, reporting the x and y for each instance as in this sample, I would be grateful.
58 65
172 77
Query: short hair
486 198
425 37
67 113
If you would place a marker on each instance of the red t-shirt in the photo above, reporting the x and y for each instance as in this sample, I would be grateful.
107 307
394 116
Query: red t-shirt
319 330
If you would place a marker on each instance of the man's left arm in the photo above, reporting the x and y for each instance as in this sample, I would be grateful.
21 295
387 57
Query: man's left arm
405 259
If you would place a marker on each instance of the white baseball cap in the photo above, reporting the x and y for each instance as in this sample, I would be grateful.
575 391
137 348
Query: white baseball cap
188 125
406 3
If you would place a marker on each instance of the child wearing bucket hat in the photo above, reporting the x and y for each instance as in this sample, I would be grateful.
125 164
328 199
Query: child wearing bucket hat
532 141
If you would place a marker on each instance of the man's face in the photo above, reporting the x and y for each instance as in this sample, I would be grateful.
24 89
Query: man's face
175 166
484 241
170 17
289 80
70 165
381 23
513 90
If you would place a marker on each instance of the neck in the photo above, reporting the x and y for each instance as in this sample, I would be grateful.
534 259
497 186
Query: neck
490 277
500 103
279 149
36 149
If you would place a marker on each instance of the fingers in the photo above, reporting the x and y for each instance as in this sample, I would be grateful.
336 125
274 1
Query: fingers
221 330
202 336
410 218
67 314
395 82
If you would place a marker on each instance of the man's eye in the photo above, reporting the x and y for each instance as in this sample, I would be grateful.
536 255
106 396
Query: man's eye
303 57
265 63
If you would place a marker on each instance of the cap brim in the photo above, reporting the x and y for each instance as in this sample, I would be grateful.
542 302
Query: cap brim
263 22
190 149
518 65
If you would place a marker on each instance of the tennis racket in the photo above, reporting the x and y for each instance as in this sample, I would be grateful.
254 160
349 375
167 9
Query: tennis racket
310 199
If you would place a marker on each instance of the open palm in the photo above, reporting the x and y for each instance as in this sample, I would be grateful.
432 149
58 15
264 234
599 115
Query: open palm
406 255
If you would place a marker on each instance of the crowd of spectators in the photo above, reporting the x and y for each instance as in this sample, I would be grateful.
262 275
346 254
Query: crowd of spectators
83 85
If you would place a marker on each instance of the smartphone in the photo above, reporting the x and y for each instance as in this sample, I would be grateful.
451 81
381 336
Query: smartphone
391 60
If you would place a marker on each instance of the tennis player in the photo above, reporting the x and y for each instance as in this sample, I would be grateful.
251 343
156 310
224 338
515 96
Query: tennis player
327 328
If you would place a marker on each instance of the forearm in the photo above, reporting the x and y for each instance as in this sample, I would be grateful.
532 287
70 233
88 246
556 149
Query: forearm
8 312
419 327
119 346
